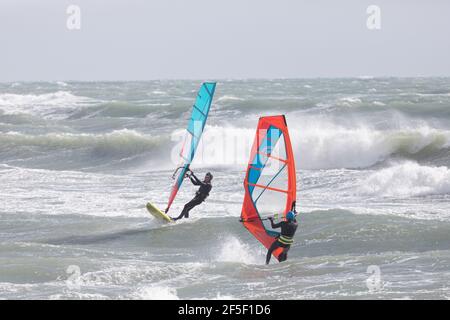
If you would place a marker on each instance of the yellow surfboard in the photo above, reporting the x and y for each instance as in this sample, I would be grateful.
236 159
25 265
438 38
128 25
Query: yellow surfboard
158 214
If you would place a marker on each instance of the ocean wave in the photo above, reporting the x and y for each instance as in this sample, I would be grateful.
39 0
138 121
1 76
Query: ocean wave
161 109
408 179
349 101
159 92
229 98
250 103
116 109
155 293
372 102
53 105
233 250
324 145
320 145
118 142
62 83
54 98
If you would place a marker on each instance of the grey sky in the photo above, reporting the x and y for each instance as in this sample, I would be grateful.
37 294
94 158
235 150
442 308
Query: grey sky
211 39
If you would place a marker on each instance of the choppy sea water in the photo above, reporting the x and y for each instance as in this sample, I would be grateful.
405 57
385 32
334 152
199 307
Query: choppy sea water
79 160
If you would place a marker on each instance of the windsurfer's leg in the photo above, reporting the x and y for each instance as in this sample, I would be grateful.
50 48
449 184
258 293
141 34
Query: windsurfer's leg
274 246
192 204
283 256
181 214
188 207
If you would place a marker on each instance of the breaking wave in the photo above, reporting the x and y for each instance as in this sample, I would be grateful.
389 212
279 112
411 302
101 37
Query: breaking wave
55 105
328 146
408 179
117 142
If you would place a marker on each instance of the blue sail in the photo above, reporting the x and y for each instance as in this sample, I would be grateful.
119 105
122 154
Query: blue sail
199 115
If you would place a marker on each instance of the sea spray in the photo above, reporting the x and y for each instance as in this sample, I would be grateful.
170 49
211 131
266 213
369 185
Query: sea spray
408 179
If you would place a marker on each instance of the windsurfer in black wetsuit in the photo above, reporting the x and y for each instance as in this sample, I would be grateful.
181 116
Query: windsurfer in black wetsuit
200 196
285 239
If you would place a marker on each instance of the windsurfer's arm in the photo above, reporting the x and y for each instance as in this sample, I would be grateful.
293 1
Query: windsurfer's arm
275 225
195 181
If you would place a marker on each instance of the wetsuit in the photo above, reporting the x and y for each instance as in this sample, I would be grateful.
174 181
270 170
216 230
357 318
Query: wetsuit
284 240
200 196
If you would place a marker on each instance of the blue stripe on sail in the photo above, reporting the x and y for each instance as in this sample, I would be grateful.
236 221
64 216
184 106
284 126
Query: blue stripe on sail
259 161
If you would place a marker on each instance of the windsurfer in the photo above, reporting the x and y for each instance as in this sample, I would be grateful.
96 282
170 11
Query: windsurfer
285 239
200 196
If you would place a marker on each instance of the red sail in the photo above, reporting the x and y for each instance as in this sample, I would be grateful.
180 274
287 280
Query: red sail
270 181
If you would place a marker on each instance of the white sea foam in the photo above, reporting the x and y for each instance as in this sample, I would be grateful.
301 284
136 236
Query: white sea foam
155 293
118 141
229 98
53 105
159 92
326 145
322 144
408 179
233 250
349 101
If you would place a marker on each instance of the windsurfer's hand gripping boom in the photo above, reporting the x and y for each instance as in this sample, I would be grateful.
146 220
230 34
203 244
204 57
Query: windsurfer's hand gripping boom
274 217
188 174
255 218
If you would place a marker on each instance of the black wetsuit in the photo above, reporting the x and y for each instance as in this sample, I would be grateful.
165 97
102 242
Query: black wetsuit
285 239
200 196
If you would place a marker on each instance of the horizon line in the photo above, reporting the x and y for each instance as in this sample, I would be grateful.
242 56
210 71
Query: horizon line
225 79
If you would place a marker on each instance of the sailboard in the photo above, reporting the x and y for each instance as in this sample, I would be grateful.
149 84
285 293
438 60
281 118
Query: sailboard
158 214
270 180
194 131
